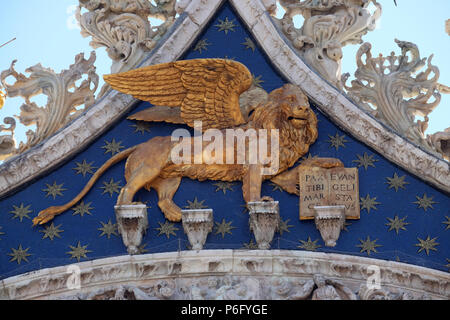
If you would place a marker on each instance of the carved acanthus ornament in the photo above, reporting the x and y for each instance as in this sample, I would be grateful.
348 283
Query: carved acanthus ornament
123 27
232 275
64 98
328 26
395 90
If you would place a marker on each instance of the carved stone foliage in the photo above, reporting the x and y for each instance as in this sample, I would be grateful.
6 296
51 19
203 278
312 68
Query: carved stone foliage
328 26
123 27
243 288
64 98
441 142
396 89
232 274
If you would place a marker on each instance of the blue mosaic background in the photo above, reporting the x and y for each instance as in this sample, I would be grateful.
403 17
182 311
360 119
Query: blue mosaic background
84 230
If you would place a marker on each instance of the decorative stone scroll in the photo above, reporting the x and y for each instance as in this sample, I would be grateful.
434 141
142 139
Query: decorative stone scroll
64 98
395 90
328 26
123 27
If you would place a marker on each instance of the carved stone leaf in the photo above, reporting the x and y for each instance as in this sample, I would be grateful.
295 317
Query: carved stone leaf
63 97
328 26
394 90
123 27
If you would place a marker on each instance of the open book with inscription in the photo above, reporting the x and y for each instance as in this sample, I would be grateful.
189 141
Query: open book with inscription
329 187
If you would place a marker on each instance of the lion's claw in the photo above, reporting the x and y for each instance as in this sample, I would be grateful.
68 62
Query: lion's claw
43 217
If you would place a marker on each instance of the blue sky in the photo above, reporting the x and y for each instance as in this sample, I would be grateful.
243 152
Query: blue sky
46 34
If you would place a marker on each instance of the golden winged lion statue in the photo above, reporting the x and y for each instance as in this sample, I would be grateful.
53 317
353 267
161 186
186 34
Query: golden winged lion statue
207 90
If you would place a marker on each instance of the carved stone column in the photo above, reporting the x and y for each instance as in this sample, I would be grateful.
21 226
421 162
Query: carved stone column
132 223
330 221
264 221
197 225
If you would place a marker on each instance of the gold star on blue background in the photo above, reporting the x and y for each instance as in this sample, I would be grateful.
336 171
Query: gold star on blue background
21 212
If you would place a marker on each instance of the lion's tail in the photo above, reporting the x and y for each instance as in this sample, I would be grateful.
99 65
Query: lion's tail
53 211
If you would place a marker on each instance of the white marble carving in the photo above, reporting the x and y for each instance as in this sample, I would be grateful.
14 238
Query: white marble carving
440 141
123 27
7 142
227 274
64 96
197 224
132 224
264 221
328 26
395 90
328 289
330 221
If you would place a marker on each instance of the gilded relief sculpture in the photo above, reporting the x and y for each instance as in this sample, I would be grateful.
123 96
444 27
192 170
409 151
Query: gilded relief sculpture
2 99
207 90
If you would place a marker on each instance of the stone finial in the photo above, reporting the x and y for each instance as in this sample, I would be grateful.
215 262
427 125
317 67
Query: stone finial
123 27
197 224
328 27
330 221
264 221
395 90
64 97
447 26
132 223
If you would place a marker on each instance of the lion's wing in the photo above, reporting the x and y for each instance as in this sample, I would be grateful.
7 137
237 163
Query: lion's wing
204 89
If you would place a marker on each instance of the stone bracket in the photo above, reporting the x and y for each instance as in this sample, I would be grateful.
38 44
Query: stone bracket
197 225
264 221
330 221
132 223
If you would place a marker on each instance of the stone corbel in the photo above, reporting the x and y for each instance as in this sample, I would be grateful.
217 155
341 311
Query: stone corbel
330 221
264 221
132 223
197 225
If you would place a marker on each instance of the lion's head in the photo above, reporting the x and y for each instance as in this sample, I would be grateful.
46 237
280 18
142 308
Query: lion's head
288 110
